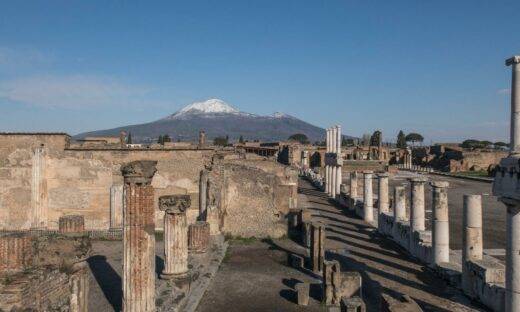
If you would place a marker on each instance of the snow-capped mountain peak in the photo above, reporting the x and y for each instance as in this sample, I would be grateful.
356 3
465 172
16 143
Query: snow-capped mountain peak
211 106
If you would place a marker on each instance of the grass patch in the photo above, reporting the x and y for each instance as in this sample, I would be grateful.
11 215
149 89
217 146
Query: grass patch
240 239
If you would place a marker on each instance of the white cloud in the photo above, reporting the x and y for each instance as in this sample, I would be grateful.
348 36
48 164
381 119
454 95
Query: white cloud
74 91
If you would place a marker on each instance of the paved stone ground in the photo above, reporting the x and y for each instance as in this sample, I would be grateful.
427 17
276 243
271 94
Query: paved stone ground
382 266
255 277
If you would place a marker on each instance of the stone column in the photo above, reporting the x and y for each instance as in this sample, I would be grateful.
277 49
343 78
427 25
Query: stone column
175 235
512 254
333 180
353 184
198 237
440 226
202 138
471 238
139 237
317 250
515 104
382 202
116 206
368 201
399 204
339 177
79 286
203 187
417 212
39 190
213 218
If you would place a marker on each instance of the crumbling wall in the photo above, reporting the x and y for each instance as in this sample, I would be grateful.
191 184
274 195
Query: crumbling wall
255 197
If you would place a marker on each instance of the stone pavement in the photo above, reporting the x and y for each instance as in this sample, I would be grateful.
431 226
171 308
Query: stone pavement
384 268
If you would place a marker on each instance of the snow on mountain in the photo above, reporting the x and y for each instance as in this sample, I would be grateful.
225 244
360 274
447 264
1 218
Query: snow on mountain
211 106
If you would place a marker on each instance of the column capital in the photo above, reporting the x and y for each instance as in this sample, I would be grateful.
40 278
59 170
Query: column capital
174 203
513 60
418 180
139 172
439 184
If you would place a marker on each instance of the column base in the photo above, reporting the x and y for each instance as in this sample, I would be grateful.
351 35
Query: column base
175 276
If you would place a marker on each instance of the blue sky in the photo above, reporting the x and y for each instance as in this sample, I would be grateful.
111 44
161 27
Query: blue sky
434 67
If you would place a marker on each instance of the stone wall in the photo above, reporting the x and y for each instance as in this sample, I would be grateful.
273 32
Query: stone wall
42 178
256 197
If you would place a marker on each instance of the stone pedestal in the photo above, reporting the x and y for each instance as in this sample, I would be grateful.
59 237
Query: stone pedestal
382 201
213 218
440 227
471 239
198 237
72 224
15 252
368 201
139 237
175 235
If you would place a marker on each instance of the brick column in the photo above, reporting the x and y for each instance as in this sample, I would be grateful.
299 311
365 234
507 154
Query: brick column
139 237
175 235
15 252
440 226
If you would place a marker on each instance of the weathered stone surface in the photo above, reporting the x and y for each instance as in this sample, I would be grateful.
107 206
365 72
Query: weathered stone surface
72 224
198 236
354 304
302 292
317 251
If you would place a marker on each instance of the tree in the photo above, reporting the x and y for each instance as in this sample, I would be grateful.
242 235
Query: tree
500 145
376 138
414 137
299 137
129 138
241 140
160 140
221 141
401 139
347 142
365 139
166 138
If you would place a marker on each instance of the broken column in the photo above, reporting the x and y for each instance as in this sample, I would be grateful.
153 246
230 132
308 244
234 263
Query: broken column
175 235
198 237
202 138
213 218
317 252
71 224
353 184
368 202
382 201
471 238
440 223
139 237
15 252
203 187
417 211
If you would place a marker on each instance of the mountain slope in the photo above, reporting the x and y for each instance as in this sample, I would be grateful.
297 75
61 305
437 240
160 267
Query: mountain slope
217 118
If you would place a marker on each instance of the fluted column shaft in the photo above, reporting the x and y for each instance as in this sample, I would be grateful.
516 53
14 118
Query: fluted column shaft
203 188
440 228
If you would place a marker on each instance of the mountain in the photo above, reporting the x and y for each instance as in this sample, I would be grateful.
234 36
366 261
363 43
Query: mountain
217 118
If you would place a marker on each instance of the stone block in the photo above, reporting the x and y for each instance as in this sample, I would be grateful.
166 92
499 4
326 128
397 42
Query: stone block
296 261
198 237
350 285
354 304
402 304
302 293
